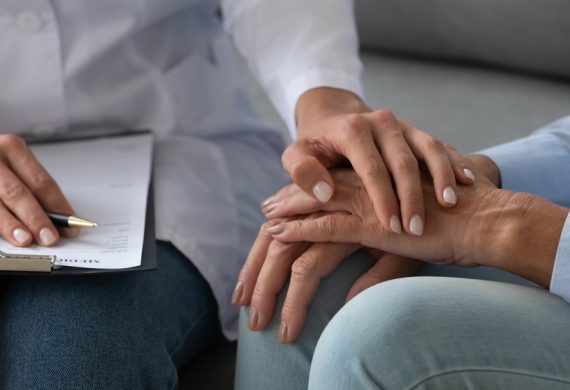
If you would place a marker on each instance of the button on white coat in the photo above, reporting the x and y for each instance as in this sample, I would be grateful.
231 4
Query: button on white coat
29 22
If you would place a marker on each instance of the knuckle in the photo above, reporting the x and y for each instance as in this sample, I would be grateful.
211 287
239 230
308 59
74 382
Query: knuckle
326 226
385 117
259 290
278 249
303 268
12 191
41 182
434 144
354 122
406 162
374 167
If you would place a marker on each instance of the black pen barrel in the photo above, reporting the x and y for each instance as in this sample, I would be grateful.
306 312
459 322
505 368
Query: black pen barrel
58 219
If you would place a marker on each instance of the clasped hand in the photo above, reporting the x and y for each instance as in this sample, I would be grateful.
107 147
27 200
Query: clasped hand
306 240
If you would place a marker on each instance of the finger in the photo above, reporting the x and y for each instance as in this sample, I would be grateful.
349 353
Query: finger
462 166
304 167
290 202
335 227
250 271
295 201
13 230
18 199
306 273
432 151
274 207
387 267
272 278
44 188
404 169
360 148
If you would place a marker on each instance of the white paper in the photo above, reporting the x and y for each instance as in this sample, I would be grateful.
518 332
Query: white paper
106 181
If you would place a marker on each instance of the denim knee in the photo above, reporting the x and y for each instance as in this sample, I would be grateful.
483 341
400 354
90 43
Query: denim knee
383 337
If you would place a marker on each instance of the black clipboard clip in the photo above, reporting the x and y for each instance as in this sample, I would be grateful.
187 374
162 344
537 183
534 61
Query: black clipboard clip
26 263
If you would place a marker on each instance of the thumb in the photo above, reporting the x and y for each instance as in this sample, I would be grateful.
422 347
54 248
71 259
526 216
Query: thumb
387 267
304 166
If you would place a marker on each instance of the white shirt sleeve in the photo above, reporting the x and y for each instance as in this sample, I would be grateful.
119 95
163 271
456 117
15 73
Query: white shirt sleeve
296 45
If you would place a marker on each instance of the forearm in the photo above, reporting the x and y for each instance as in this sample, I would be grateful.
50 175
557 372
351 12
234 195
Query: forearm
519 233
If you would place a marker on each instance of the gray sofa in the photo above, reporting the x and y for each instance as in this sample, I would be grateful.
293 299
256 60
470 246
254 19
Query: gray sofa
474 73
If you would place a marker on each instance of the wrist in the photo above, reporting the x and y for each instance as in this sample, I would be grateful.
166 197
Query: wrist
321 103
519 233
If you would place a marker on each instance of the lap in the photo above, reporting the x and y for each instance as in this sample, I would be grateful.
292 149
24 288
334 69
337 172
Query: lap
127 330
436 332
263 363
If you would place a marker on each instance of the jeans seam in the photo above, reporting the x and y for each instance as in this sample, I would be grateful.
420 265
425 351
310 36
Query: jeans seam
455 371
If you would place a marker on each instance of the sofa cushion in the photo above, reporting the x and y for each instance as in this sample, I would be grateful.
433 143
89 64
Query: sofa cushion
529 35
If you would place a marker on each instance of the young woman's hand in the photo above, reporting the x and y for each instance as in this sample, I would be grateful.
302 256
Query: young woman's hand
27 191
337 128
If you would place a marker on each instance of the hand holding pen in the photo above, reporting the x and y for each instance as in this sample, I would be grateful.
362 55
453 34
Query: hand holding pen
26 190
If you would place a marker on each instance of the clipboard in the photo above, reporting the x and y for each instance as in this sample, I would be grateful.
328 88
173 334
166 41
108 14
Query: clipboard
21 264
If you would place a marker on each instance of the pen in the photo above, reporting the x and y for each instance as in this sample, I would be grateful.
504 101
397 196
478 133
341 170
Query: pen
64 220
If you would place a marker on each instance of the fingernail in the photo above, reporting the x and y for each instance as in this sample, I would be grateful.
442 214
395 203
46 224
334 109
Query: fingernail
283 333
276 229
253 318
20 235
266 202
395 224
238 291
449 195
417 225
270 207
323 191
47 237
469 174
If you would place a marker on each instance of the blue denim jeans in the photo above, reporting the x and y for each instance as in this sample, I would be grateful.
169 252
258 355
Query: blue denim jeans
478 329
119 331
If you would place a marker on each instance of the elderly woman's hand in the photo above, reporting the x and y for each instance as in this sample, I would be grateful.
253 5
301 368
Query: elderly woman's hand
513 231
271 264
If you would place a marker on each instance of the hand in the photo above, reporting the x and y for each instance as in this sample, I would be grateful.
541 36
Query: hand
26 190
354 221
271 263
336 127
515 232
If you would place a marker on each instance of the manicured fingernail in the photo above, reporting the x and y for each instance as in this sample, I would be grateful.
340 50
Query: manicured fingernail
283 333
270 207
449 195
276 229
323 191
266 202
469 174
47 237
20 235
417 225
238 292
253 319
395 224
